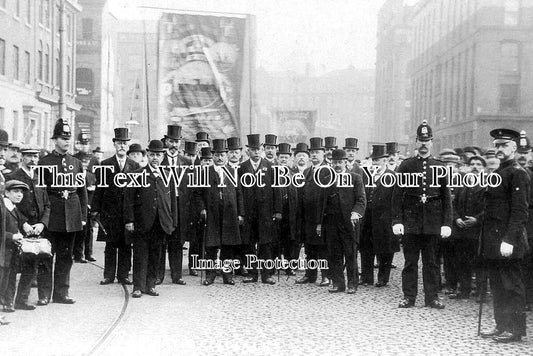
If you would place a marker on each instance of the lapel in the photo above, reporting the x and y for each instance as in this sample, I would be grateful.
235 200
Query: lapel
115 164
128 165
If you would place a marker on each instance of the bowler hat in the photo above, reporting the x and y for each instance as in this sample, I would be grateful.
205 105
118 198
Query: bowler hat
330 142
253 141
219 145
270 140
122 134
301 147
379 151
62 129
14 184
190 147
351 143
316 144
98 150
4 138
173 132
284 148
234 143
156 146
135 147
206 153
338 155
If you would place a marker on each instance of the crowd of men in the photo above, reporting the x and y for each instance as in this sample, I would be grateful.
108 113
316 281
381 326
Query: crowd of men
471 231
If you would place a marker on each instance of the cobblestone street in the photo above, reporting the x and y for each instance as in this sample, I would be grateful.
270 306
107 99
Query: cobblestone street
248 319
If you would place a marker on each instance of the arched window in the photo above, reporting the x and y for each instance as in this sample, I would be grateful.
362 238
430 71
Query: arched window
84 81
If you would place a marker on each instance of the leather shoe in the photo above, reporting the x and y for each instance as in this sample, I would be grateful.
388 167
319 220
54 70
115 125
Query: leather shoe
179 281
231 282
304 280
152 292
351 290
491 333
208 282
249 280
269 280
136 294
381 284
43 301
458 296
325 282
24 306
9 308
158 281
106 281
506 337
193 272
80 260
436 304
91 259
406 303
64 300
336 289
125 281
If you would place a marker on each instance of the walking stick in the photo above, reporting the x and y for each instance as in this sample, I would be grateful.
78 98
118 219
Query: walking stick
482 296
203 250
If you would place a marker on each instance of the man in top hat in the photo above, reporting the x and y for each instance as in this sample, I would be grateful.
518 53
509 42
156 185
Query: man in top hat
301 157
189 152
503 239
222 209
206 156
173 142
137 154
340 211
151 212
202 140
234 151
68 214
4 143
108 203
35 206
352 151
262 206
393 152
330 144
315 245
270 147
421 214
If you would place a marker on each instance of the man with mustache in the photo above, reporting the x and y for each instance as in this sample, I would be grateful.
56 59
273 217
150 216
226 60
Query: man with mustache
503 239
270 147
421 214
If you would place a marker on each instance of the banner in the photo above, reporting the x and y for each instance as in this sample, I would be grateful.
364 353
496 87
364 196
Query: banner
296 125
201 72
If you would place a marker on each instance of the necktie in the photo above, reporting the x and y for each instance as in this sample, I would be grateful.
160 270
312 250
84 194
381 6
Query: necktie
121 165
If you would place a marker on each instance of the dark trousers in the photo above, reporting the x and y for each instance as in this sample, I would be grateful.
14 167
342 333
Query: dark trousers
83 244
194 249
342 252
316 252
448 251
413 246
466 250
62 247
286 247
527 270
384 266
509 295
146 257
262 251
175 258
28 269
227 252
117 259
367 266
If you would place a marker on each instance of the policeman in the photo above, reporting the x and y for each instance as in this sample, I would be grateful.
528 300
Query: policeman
503 240
421 213
68 212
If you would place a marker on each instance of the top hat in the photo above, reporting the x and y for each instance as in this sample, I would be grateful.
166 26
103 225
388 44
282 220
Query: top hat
30 149
62 129
459 150
122 134
84 137
338 155
190 147
206 153
135 147
270 140
284 148
4 138
330 142
156 146
316 144
173 132
379 151
234 143
219 145
424 132
392 148
14 184
253 141
504 135
202 137
523 144
351 143
98 150
301 147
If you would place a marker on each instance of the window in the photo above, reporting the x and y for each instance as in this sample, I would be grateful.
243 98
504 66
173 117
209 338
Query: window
46 12
47 65
509 98
510 58
58 74
84 81
2 57
41 11
27 67
511 11
68 75
87 29
40 61
15 125
16 73
28 13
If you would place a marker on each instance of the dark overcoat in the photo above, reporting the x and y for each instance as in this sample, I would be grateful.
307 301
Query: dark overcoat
311 200
469 201
383 240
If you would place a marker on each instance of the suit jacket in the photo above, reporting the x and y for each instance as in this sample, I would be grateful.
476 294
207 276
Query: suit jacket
40 204
143 204
109 201
383 240
12 222
261 202
468 202
310 199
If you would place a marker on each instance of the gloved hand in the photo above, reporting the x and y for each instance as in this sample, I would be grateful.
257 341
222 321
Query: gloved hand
506 249
397 229
276 216
319 230
445 231
203 215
